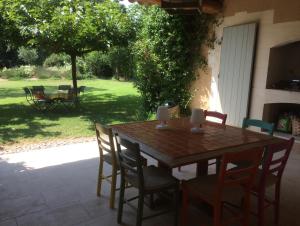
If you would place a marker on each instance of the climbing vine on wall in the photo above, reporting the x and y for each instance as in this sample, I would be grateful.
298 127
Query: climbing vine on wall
166 49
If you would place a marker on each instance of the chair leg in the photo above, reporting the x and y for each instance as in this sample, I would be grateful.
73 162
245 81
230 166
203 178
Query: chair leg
100 172
184 207
176 205
260 208
139 216
246 211
113 187
121 200
277 203
217 215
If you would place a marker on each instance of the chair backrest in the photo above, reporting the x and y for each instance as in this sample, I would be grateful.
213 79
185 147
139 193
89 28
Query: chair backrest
27 91
81 89
275 160
265 126
38 89
242 177
130 160
105 141
217 115
64 87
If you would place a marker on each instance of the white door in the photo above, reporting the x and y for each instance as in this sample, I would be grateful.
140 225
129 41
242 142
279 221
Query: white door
237 54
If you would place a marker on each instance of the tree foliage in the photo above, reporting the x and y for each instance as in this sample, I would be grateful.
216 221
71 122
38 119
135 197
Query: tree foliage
165 51
28 55
73 27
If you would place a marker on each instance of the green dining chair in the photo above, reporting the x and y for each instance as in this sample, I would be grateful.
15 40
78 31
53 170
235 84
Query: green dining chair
265 126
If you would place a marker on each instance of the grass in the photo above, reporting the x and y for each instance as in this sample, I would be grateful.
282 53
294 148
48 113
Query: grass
106 101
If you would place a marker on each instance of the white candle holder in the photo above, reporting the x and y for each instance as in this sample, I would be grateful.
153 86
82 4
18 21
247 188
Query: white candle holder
197 119
163 116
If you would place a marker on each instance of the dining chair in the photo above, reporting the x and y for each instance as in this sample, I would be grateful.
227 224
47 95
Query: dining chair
265 126
216 115
108 155
221 117
64 87
270 176
148 180
218 190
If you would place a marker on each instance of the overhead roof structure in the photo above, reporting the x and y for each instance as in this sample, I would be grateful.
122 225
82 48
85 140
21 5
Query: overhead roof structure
186 6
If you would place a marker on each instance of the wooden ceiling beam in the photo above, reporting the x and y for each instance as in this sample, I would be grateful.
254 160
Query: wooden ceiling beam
207 6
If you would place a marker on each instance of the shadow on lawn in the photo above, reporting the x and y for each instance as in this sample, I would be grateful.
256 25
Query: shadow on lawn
19 121
13 116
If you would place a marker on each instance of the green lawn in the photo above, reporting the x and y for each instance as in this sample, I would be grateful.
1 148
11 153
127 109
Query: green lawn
106 101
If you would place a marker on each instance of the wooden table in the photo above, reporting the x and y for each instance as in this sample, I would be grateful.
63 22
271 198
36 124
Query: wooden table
177 146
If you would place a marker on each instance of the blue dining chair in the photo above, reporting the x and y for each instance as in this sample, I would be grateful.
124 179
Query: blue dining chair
265 126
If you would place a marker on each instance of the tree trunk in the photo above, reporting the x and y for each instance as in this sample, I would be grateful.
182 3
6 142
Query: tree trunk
74 77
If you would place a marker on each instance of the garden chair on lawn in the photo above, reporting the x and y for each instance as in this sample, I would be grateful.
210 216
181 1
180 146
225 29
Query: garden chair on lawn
64 87
38 100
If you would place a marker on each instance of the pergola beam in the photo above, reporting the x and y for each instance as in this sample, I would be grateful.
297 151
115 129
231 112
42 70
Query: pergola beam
206 6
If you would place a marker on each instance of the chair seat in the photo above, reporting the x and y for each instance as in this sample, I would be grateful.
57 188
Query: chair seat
155 178
205 188
108 159
271 180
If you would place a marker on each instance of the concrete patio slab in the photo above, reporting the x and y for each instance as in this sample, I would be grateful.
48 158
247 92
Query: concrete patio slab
57 187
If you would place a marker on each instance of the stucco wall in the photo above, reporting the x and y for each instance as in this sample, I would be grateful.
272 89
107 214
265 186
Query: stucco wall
271 32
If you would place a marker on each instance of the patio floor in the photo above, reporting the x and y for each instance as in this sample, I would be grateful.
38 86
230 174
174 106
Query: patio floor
57 187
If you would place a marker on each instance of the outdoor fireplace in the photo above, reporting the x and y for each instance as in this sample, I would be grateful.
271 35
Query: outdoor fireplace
284 67
281 112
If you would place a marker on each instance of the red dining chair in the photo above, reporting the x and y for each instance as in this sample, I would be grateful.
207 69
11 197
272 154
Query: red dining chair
269 176
223 118
217 115
216 190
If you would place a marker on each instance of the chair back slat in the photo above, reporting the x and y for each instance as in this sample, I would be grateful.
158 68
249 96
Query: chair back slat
242 176
38 89
130 160
105 140
265 126
217 115
64 87
273 164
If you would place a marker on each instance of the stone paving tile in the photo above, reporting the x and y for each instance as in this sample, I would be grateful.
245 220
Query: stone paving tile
60 197
41 218
69 215
11 208
8 223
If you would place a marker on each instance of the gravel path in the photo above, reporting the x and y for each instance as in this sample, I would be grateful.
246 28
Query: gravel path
21 147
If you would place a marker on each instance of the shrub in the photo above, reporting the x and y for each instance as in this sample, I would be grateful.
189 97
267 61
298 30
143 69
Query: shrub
28 55
165 52
17 73
95 63
57 60
121 61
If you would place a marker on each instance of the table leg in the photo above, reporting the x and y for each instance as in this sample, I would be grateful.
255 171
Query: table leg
202 168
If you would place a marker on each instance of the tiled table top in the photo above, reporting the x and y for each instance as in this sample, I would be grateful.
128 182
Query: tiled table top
177 146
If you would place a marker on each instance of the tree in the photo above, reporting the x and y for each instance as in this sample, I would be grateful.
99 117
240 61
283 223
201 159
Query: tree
28 55
10 40
73 27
